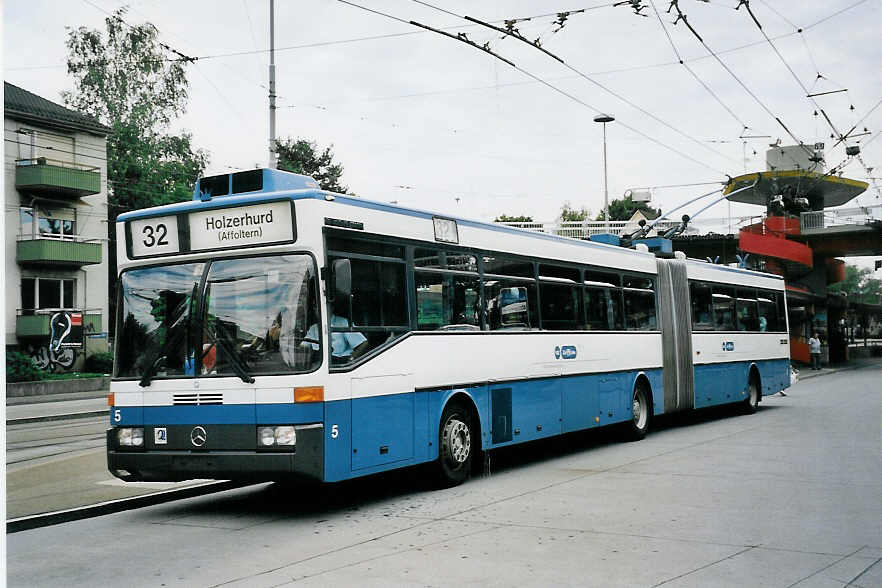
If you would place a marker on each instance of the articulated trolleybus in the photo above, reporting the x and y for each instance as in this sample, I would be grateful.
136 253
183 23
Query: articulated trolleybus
271 330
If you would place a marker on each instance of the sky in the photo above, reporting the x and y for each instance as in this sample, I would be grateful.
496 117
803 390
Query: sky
429 122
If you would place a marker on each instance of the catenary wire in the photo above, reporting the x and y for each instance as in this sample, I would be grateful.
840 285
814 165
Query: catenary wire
538 79
591 80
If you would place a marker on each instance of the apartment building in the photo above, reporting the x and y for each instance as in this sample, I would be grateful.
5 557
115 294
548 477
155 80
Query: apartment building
56 231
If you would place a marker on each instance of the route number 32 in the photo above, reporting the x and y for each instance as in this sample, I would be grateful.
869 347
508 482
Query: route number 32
154 236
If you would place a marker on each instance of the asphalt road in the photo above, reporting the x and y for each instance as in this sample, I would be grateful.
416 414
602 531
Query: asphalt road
786 497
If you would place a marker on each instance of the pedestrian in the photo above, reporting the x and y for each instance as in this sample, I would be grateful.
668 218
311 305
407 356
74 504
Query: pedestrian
815 350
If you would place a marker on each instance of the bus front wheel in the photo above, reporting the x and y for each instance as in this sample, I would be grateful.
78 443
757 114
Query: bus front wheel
641 412
455 447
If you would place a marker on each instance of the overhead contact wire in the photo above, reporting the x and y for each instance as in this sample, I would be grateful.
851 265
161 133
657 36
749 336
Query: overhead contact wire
536 78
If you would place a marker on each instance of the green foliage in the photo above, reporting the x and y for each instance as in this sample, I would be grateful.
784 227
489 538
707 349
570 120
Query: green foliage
304 157
570 214
504 218
126 79
21 368
859 285
622 209
101 363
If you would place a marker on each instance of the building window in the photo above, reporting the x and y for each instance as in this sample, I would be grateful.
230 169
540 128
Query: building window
43 223
47 293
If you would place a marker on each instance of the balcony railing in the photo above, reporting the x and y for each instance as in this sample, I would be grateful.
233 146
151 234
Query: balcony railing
57 178
57 252
35 322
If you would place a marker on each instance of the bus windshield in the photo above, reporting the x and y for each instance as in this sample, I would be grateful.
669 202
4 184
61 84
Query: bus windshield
249 317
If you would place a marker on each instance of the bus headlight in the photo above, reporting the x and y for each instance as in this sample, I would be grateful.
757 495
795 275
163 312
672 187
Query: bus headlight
277 436
266 436
285 436
130 436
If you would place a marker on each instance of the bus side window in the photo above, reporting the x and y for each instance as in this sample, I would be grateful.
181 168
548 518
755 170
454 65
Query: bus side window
724 308
447 301
511 304
378 310
702 306
597 308
639 295
782 313
746 307
768 319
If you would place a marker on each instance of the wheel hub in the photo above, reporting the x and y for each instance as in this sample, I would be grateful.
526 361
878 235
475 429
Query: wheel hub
459 441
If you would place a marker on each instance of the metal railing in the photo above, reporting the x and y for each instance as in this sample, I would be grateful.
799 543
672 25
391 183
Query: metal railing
56 162
585 229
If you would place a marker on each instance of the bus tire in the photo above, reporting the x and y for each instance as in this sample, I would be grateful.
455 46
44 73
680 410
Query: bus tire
456 445
750 404
641 412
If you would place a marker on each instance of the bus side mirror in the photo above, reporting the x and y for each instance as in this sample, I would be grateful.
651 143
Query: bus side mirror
341 276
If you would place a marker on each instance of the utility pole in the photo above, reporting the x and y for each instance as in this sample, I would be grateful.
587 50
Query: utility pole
272 89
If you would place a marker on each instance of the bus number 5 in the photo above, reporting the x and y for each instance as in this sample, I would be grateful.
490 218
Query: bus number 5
335 432
155 236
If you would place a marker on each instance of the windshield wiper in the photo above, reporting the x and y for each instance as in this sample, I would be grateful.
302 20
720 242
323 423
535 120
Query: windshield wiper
162 353
235 362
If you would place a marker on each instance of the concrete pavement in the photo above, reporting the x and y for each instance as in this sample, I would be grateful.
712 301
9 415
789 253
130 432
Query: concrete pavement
81 478
787 497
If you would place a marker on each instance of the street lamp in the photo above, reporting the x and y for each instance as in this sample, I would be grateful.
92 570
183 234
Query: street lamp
605 118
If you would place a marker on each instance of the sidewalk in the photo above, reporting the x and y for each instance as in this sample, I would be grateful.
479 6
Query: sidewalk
806 372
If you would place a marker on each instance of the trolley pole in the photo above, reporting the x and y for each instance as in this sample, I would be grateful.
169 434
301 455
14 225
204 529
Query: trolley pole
273 164
605 118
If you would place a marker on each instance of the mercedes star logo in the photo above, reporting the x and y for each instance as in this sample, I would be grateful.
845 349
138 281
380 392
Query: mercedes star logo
198 436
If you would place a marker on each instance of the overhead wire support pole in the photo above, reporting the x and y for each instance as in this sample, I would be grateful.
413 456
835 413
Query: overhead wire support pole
273 162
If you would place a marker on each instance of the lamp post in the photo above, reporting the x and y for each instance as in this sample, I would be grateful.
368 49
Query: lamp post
605 118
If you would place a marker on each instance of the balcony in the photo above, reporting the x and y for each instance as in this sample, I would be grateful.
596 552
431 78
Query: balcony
57 252
35 323
51 177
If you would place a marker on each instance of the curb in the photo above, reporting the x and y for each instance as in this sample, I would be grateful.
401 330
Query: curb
114 506
56 417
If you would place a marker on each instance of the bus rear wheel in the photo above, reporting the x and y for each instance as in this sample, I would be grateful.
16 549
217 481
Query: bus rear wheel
750 404
456 445
641 412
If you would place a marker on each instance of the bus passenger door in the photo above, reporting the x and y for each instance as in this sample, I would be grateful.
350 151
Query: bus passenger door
676 327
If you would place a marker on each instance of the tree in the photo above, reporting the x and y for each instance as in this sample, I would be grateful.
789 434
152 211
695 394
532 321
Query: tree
570 214
136 86
504 218
859 285
304 157
622 209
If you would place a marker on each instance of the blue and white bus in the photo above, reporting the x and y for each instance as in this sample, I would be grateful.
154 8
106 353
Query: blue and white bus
270 330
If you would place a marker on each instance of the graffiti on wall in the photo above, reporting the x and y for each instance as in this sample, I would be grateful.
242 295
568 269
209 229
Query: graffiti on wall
65 338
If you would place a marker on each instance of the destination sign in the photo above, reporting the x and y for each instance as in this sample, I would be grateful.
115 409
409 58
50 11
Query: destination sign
242 226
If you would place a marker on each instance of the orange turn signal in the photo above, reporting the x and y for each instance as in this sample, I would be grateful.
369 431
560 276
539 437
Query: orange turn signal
110 399
309 394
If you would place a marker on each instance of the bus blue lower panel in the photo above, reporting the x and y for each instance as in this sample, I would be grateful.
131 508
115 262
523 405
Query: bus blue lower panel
723 383
374 434
380 433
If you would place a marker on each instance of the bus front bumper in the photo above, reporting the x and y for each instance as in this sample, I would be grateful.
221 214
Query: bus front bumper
306 462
